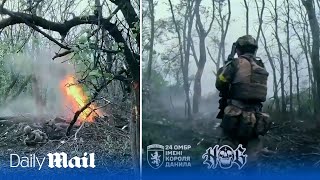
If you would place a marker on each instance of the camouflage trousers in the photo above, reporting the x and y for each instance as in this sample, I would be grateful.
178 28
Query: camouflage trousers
239 126
253 146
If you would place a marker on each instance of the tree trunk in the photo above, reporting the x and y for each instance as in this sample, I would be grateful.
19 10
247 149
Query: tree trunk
36 88
149 67
289 60
283 98
314 25
275 83
247 16
307 42
303 44
260 16
187 59
135 127
184 50
224 31
297 86
203 57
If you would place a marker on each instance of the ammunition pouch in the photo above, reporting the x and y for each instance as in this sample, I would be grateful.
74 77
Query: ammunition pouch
263 123
241 124
230 120
246 125
238 123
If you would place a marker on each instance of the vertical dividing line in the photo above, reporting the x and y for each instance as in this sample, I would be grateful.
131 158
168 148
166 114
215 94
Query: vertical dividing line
140 118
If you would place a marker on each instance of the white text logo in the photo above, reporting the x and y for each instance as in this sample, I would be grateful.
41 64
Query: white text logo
225 157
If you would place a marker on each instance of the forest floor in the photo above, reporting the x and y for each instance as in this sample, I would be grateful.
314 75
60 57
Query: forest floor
111 145
290 144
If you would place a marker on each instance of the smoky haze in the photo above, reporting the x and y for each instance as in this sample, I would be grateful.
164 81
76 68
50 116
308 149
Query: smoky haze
48 74
236 29
280 66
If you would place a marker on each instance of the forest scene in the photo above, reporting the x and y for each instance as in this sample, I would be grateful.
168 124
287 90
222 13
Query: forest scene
186 42
69 74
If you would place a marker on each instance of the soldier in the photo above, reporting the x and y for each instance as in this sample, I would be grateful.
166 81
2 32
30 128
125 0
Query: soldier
34 137
243 83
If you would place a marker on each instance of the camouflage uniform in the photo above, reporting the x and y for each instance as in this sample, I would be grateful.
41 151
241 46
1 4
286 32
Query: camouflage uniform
244 79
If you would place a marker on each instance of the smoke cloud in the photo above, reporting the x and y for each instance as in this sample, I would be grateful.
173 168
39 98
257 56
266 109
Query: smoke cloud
48 74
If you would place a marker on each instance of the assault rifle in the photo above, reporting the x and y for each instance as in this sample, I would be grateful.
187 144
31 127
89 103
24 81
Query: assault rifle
224 95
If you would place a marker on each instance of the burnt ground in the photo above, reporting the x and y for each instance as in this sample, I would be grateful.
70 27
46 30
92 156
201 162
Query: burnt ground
289 145
110 144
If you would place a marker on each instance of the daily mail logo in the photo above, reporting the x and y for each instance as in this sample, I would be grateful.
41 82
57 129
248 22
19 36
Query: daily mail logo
55 160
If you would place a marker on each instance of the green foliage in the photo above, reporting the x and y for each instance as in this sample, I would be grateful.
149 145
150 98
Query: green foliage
157 80
95 73
304 111
6 75
306 103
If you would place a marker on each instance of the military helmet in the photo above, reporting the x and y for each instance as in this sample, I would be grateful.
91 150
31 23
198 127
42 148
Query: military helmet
246 40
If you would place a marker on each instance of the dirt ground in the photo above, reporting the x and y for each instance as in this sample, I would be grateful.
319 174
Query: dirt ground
110 144
288 145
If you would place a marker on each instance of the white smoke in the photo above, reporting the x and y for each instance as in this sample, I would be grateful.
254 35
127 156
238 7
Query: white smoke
49 74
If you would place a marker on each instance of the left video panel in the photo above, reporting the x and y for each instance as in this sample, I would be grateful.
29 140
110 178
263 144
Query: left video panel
69 89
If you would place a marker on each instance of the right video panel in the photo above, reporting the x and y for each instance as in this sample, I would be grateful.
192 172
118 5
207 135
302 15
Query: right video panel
230 88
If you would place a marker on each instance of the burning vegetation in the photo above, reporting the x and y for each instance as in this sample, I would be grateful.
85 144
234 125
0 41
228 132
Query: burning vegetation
75 98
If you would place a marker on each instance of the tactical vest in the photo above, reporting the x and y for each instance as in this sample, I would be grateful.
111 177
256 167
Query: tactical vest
250 80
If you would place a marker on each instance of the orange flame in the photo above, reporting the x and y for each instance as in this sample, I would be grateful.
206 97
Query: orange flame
75 99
